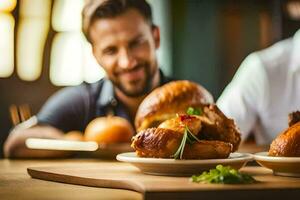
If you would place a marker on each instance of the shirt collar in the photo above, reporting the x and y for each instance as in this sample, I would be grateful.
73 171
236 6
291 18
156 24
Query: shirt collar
295 59
107 96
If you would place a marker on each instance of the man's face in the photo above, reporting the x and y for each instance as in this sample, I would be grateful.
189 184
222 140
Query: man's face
125 47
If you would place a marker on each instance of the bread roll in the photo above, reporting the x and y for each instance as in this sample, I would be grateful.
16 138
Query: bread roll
74 135
287 144
164 102
108 130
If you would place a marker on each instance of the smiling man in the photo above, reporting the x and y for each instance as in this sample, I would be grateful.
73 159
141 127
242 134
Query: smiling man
124 41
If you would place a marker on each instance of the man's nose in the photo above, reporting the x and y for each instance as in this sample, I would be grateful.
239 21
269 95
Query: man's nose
126 60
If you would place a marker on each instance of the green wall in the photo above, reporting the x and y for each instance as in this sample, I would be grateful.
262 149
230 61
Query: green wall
195 30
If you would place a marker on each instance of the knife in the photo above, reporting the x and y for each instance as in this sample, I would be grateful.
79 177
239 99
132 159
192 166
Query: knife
56 144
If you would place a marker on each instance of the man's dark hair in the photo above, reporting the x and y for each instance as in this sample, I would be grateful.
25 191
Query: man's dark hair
97 9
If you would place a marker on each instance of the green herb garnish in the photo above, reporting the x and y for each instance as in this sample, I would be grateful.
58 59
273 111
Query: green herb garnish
194 111
188 137
225 175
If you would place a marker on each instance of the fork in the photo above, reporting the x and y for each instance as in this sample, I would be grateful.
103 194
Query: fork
22 119
21 116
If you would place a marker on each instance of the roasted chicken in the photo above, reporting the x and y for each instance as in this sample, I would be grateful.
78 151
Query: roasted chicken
163 143
287 144
164 128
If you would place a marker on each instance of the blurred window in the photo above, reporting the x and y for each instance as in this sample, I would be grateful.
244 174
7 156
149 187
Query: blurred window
33 28
71 59
7 24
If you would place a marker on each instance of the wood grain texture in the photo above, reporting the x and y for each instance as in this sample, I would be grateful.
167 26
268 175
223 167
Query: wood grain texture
15 183
125 176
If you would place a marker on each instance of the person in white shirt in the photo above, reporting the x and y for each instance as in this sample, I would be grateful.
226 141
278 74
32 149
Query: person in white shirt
264 90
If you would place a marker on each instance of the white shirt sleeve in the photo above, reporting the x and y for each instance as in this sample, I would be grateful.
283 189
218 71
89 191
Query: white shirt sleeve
243 99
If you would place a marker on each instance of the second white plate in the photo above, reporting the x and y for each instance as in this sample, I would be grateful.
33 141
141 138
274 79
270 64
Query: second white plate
172 167
283 166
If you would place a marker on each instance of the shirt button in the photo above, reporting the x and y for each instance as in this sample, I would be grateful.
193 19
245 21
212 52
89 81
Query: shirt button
113 102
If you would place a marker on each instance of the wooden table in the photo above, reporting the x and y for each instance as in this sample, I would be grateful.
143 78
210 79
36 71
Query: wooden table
15 183
126 176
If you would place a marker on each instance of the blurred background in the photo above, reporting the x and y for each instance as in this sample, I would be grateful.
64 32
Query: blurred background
42 48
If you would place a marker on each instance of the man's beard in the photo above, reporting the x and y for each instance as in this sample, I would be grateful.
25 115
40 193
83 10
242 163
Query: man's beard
147 83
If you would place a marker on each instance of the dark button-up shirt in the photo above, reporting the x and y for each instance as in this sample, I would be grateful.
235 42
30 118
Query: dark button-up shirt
72 108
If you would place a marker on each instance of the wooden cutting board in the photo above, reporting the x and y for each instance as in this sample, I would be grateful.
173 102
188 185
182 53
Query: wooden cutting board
124 176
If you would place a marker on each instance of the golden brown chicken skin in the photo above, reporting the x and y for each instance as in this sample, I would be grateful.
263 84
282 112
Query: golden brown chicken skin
163 143
287 144
206 149
156 142
179 124
218 127
211 125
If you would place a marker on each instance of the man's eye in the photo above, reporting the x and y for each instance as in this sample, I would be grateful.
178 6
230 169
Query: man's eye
136 43
110 51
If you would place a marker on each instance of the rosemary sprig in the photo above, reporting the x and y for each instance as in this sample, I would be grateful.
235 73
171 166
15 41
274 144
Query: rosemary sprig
179 152
191 136
188 137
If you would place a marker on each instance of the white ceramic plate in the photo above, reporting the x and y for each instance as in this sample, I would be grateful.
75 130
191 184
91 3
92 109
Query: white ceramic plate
172 167
283 166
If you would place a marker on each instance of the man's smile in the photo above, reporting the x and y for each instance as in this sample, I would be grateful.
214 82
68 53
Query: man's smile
133 75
